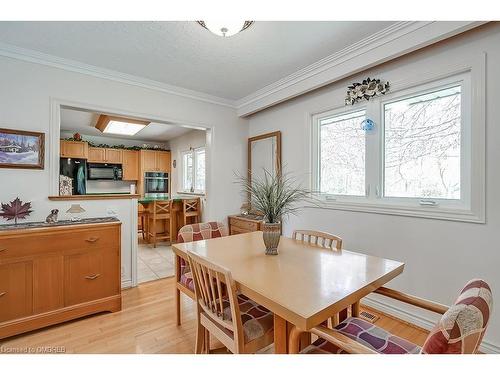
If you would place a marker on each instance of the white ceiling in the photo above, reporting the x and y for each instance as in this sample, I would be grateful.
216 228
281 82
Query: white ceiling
186 55
84 122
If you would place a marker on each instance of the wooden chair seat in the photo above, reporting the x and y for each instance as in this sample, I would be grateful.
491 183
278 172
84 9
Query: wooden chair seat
183 276
459 331
239 323
365 333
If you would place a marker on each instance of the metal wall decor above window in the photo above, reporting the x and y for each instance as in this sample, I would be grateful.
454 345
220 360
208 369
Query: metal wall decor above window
366 90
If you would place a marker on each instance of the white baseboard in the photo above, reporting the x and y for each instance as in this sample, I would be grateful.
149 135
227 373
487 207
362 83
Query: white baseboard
418 320
126 284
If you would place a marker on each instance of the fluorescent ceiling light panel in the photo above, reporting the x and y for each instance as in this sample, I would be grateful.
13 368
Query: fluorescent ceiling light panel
120 126
123 128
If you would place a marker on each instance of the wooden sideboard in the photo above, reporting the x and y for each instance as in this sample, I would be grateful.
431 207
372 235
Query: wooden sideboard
52 274
244 224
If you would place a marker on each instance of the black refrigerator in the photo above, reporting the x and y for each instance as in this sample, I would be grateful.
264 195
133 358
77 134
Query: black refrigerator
76 169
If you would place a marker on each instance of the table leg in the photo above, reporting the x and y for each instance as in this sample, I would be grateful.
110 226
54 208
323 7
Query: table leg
280 335
355 309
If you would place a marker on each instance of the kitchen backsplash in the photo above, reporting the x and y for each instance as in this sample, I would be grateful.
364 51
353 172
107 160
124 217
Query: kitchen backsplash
108 187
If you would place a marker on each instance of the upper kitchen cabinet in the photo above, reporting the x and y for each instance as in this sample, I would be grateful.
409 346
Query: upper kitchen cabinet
130 165
155 161
105 155
163 161
74 149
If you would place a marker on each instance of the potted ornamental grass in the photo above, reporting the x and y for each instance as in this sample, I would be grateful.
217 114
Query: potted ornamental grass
275 197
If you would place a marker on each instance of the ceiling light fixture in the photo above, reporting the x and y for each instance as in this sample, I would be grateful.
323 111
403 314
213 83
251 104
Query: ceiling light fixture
119 125
225 28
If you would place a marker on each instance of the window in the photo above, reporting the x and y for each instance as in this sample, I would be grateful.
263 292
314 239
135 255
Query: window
342 154
193 170
422 145
417 160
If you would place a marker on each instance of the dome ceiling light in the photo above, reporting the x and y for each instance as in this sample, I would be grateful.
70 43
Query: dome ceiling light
225 28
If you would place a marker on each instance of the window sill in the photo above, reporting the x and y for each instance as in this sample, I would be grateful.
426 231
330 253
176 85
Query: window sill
438 213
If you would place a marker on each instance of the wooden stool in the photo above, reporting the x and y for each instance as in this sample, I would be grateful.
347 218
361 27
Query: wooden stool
191 211
142 221
161 211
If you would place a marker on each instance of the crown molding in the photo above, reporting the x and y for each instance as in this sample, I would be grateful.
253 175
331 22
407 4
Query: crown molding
19 53
394 41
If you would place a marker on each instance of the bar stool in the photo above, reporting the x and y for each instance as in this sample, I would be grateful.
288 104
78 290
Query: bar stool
161 211
191 208
142 219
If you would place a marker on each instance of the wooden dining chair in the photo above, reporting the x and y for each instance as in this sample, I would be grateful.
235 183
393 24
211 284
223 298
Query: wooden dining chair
240 324
161 211
328 241
191 211
323 239
460 329
183 276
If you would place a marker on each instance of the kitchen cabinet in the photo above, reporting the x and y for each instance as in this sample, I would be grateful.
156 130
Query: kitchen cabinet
130 164
155 161
148 161
50 275
73 149
105 155
97 155
163 161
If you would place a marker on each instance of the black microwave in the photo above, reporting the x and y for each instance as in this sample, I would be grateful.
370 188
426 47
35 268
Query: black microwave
104 171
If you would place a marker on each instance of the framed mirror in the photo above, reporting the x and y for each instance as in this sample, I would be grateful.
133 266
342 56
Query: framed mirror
264 152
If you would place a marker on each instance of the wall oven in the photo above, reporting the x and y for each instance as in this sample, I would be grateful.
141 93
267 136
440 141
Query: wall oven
156 185
104 171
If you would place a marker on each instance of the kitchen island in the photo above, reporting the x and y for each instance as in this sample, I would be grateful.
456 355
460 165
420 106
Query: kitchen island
177 216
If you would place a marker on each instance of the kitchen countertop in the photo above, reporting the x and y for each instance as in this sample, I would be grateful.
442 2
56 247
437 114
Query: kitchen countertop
93 197
43 224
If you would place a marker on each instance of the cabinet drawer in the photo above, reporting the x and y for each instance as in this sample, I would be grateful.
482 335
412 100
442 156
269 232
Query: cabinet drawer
37 243
247 226
16 290
91 275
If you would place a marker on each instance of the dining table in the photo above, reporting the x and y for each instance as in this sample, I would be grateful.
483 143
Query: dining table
304 285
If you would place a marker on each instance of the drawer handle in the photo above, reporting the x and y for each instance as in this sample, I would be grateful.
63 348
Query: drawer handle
3 294
93 277
92 239
3 249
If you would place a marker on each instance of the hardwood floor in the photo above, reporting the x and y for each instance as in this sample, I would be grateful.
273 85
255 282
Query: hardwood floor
145 325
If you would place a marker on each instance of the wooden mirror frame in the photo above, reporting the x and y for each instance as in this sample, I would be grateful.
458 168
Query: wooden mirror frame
276 134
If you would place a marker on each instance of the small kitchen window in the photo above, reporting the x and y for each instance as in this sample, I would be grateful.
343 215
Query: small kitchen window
193 170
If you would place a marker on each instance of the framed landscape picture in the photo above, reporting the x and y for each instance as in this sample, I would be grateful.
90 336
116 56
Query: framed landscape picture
21 149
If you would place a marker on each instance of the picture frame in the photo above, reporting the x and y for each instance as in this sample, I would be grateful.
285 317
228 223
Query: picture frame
21 149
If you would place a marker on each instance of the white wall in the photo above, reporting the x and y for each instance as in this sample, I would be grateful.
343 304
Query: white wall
440 256
26 92
194 139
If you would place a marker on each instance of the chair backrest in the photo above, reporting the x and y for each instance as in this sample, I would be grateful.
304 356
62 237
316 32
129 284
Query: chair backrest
326 240
201 231
162 207
216 296
197 232
461 329
191 205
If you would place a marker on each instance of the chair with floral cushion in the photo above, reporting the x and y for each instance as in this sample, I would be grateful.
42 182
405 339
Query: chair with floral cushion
460 330
184 279
240 324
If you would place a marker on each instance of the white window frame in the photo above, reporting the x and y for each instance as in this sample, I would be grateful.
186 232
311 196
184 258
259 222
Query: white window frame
471 206
192 151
